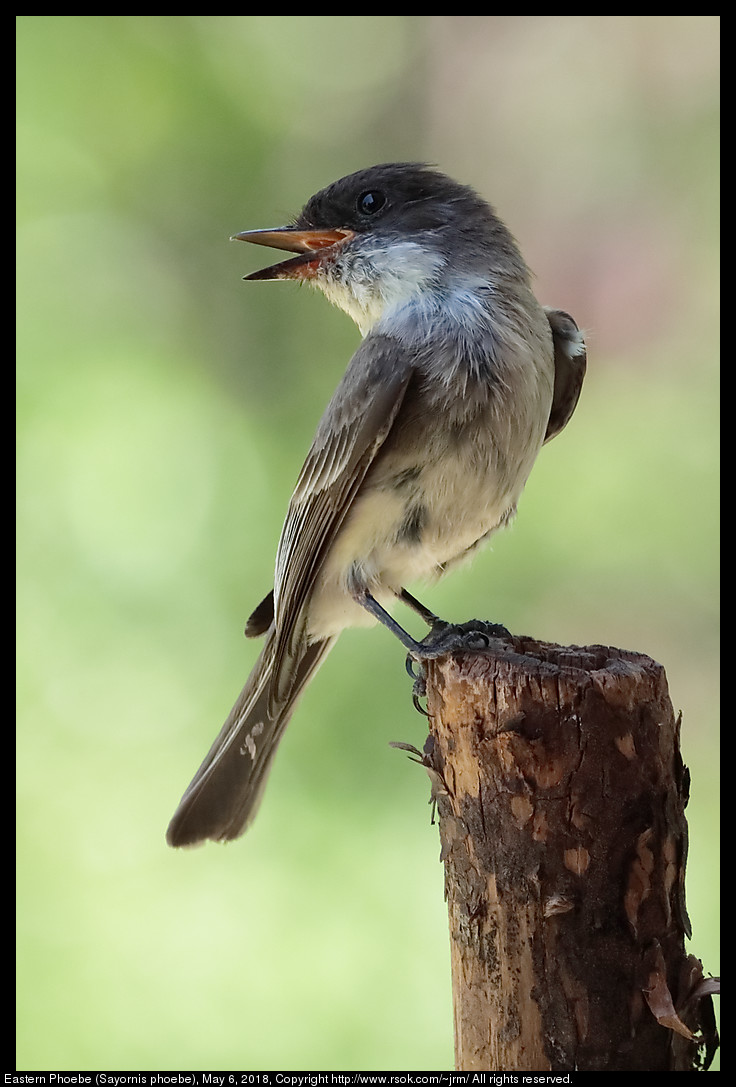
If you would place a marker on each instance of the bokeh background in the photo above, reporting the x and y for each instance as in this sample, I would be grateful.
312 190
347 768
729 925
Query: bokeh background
164 408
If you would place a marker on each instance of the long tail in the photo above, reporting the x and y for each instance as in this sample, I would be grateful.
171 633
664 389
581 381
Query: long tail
224 794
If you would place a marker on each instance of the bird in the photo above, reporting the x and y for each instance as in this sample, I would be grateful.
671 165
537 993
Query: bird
460 378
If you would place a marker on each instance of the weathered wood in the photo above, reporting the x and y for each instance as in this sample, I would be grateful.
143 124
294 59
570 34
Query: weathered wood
561 794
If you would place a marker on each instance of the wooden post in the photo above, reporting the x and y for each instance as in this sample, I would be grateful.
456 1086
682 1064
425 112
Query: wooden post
561 793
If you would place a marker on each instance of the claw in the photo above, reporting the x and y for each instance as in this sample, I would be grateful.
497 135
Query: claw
447 639
420 691
418 705
443 640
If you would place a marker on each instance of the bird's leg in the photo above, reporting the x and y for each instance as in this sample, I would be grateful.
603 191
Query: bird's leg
449 636
369 602
443 639
428 616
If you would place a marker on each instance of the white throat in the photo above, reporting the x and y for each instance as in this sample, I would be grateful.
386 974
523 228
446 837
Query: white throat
371 280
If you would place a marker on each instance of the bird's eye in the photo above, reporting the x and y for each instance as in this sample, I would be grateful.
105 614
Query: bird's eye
371 202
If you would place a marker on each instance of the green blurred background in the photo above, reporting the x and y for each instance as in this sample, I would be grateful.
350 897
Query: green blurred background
164 411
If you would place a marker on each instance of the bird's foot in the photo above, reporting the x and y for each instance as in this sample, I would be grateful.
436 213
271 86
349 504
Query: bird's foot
444 639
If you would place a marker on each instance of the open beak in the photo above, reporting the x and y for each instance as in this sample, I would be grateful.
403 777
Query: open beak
312 246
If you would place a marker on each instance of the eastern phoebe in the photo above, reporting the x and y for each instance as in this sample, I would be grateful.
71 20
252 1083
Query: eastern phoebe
421 454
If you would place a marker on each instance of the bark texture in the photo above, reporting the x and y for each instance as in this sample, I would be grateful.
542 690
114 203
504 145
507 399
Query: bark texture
561 794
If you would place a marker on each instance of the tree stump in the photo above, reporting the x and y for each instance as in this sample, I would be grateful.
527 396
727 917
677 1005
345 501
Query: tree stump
561 793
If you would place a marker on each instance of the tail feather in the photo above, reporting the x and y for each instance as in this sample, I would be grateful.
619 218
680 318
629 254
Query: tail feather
223 796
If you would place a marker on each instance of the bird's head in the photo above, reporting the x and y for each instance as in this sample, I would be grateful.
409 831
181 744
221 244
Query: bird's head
377 237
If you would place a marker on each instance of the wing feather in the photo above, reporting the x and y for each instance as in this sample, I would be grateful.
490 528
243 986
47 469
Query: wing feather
570 364
352 430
